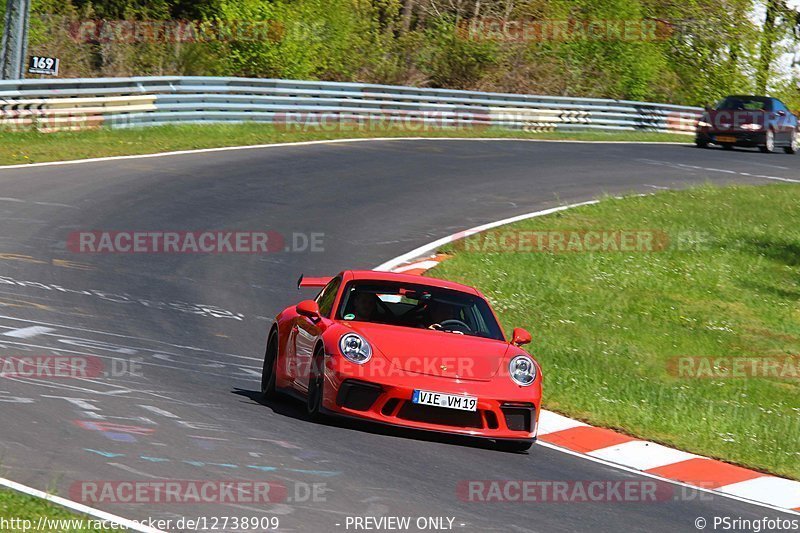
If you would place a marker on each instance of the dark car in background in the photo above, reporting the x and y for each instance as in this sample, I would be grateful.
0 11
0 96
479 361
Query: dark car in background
749 121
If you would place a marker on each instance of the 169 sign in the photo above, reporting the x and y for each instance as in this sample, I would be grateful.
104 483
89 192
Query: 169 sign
43 65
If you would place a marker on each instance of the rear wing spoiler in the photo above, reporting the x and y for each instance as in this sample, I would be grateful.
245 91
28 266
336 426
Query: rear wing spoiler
313 282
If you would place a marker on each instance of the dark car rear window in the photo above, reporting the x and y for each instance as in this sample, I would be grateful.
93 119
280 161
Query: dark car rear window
744 103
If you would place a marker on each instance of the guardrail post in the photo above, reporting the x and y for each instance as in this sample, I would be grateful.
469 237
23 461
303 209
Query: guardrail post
15 40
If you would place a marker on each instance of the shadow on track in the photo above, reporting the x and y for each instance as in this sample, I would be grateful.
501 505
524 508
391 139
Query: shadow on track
292 408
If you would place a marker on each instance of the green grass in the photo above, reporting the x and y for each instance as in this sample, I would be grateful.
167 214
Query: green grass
35 147
14 505
605 325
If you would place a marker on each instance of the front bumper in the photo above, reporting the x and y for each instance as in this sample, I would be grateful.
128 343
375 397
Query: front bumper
503 411
740 138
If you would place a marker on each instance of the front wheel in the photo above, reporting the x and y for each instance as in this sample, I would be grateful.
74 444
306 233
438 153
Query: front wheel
316 385
701 144
270 366
769 143
793 145
515 446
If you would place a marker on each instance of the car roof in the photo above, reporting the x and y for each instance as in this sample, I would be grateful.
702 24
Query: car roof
410 278
751 96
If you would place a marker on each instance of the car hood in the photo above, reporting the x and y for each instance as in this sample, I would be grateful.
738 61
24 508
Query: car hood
434 353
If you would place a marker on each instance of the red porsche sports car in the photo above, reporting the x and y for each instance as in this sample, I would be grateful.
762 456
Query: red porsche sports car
408 351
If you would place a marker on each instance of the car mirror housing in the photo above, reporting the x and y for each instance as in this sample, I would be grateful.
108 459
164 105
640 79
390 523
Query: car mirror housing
308 308
520 337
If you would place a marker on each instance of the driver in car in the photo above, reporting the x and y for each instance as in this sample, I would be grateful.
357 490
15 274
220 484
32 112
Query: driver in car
439 312
365 307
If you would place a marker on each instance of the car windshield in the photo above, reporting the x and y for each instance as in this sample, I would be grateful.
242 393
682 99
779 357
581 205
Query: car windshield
418 306
744 103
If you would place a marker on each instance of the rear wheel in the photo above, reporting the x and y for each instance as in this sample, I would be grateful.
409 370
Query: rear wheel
316 385
516 446
270 366
793 145
728 146
701 144
769 143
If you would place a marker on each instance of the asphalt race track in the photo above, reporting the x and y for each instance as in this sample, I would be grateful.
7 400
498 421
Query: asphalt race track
194 326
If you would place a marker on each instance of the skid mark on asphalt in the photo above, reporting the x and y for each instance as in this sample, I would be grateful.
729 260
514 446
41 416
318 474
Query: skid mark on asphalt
205 464
244 374
683 166
125 354
204 310
46 204
110 334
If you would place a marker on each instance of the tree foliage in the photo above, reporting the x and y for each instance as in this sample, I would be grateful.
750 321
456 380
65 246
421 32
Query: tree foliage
696 52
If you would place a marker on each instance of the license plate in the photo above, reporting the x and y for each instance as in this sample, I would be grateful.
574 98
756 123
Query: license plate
440 399
724 139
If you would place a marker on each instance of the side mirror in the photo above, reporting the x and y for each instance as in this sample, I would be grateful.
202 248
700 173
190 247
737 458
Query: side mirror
520 337
308 308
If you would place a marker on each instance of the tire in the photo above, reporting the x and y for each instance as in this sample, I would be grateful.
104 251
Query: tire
316 386
515 446
769 143
270 366
727 146
701 144
793 146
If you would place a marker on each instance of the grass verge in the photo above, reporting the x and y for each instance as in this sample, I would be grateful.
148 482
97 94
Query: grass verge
607 326
36 147
20 512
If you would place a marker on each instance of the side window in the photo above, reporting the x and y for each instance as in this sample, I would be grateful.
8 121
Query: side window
777 105
327 296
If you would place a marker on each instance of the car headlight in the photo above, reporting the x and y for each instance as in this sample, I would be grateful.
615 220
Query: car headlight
751 127
522 370
703 124
355 348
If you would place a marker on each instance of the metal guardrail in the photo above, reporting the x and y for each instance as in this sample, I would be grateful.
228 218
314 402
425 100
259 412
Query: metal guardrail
126 102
